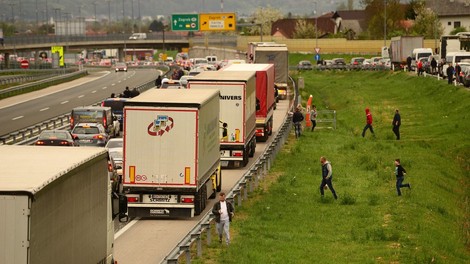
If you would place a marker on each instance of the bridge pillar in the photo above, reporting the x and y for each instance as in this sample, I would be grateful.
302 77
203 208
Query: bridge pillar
121 54
36 59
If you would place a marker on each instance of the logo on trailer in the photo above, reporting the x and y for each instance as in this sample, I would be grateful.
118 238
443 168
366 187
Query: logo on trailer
160 125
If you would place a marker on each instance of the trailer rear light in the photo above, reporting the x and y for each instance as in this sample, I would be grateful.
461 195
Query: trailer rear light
39 142
98 137
237 153
104 122
187 199
110 167
132 199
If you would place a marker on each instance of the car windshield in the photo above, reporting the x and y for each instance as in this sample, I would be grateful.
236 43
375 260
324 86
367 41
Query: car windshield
57 135
86 130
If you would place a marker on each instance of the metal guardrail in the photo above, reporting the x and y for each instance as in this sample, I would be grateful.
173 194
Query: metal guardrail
347 67
32 77
29 135
40 84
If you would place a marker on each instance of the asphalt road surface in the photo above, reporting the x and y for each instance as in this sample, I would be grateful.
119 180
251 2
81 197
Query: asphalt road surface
21 111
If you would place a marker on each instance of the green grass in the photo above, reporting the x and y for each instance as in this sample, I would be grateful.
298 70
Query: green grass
287 222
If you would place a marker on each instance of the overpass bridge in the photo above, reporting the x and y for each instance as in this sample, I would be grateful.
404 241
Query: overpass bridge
156 40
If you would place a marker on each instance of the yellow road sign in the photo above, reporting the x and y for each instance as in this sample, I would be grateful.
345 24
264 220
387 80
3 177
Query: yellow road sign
60 50
217 21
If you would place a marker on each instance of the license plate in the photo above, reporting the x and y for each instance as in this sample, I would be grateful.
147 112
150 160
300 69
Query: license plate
156 212
159 198
86 140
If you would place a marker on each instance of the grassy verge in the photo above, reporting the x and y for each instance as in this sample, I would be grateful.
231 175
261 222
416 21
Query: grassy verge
287 222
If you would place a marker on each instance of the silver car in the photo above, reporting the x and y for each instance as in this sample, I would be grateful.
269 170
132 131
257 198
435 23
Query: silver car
90 134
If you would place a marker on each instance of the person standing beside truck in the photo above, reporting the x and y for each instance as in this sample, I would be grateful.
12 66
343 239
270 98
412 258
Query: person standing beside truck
223 211
458 69
297 118
408 63
450 73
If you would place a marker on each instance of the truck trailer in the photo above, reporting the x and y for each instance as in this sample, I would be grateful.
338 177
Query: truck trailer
401 47
237 113
265 103
273 53
171 152
56 205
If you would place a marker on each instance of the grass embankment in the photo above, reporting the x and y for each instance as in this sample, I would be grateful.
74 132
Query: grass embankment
287 222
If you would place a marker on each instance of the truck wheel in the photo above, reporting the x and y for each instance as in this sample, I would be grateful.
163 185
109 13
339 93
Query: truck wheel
198 202
252 147
270 128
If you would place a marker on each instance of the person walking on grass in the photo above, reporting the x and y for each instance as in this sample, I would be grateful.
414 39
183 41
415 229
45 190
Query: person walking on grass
313 117
396 124
327 175
400 172
297 118
368 123
223 211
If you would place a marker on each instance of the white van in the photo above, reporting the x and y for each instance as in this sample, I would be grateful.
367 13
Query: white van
455 57
138 36
418 54
211 59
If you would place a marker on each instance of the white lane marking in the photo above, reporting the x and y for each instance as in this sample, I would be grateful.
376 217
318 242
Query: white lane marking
113 84
126 227
18 117
93 91
104 88
44 109
64 102
81 96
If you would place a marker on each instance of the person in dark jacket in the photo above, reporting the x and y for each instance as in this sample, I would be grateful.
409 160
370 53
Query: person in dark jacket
450 73
368 123
396 124
223 211
158 81
408 63
327 175
400 172
433 66
297 118
458 69
127 92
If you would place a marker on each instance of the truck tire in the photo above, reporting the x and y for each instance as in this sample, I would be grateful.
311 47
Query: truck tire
270 127
198 202
252 147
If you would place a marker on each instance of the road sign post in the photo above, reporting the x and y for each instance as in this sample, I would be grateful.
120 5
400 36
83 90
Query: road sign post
185 22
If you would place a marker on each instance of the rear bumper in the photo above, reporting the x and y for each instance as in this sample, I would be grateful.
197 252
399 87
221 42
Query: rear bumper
161 210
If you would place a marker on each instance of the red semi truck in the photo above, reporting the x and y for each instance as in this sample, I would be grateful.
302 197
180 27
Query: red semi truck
265 101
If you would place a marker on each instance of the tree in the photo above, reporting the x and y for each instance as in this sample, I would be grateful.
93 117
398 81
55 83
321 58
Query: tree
375 10
265 16
427 23
156 26
304 30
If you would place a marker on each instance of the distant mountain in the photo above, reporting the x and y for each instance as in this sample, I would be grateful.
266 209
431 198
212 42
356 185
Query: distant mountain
26 9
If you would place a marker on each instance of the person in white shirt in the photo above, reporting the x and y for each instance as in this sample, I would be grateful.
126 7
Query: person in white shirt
223 211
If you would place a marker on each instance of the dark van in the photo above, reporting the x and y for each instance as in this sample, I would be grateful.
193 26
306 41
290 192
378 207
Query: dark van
95 114
117 106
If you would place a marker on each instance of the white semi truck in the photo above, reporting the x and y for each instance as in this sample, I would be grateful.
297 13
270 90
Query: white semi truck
272 53
171 152
265 101
237 113
55 205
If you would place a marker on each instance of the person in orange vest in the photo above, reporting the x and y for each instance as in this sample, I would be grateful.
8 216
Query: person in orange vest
420 67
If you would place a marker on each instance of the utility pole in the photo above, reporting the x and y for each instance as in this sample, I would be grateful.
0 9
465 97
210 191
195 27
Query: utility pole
47 14
385 23
316 25
94 7
109 11
37 15
12 13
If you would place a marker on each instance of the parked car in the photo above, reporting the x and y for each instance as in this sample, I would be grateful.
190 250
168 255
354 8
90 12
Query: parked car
90 134
376 60
465 74
304 65
357 61
55 138
120 66
338 61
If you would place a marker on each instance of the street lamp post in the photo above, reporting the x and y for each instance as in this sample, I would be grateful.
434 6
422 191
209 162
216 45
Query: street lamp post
12 13
316 25
385 23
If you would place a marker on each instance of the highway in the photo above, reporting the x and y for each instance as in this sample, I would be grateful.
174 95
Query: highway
21 111
140 240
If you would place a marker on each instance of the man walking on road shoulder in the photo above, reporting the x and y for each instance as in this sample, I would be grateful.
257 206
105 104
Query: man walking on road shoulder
223 211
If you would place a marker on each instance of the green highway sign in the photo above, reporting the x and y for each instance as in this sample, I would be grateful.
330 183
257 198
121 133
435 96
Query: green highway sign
185 22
